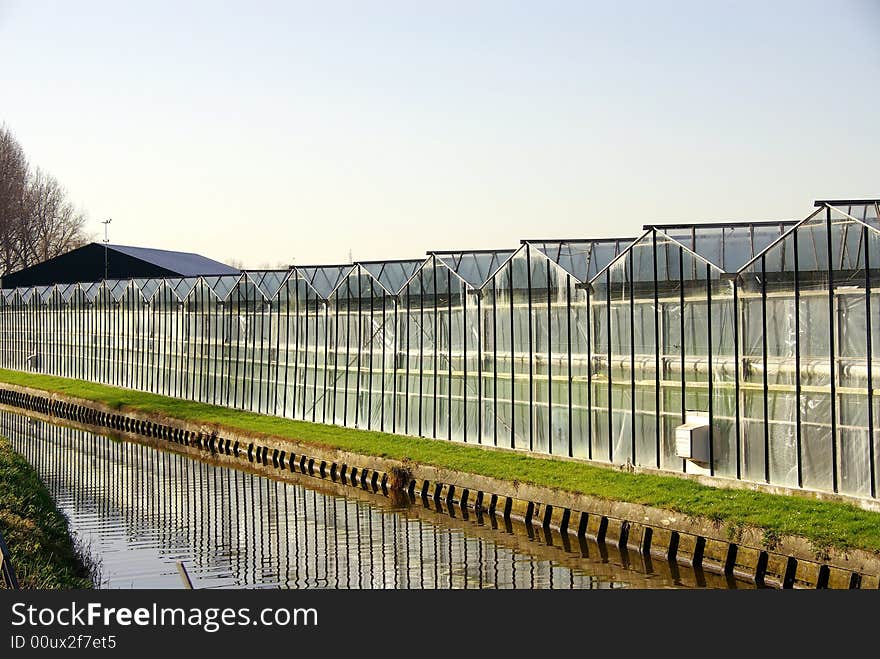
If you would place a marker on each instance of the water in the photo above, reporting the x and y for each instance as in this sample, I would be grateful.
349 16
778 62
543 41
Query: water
140 511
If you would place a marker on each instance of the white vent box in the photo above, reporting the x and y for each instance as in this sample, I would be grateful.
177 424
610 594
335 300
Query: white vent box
692 440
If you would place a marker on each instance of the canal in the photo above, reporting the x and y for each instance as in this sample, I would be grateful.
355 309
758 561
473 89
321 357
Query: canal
141 511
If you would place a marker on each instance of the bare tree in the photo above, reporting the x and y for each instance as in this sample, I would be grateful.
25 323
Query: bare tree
13 183
37 221
51 224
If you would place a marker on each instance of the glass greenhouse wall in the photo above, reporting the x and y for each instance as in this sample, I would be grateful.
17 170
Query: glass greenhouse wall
594 349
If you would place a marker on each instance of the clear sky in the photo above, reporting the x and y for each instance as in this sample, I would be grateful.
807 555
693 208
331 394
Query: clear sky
297 132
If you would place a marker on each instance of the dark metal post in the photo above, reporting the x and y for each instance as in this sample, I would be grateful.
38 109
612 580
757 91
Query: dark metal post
293 403
549 365
384 362
336 357
512 362
869 354
531 352
681 340
319 301
406 383
764 352
449 334
479 367
435 365
608 353
632 359
421 350
711 373
737 374
832 322
325 368
277 349
237 342
494 361
589 316
464 382
262 302
658 419
394 402
360 343
797 361
370 363
570 380
305 380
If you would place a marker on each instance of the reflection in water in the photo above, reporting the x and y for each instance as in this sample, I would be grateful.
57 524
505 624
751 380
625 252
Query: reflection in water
142 510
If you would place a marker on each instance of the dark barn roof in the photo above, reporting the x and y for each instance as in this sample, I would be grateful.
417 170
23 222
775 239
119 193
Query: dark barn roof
123 262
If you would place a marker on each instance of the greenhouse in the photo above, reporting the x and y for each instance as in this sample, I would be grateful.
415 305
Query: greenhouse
596 349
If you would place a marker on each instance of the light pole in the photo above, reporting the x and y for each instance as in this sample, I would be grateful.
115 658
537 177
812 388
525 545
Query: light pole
106 242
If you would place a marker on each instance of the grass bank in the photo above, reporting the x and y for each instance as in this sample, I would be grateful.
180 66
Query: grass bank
825 524
43 554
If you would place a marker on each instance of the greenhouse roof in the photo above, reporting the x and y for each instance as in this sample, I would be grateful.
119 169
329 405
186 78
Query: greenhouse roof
324 279
392 275
45 292
865 210
845 202
182 287
117 287
727 248
810 238
68 290
728 245
581 258
92 290
148 287
269 282
223 285
474 267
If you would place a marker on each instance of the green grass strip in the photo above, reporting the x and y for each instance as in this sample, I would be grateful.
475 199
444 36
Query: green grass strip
824 523
36 533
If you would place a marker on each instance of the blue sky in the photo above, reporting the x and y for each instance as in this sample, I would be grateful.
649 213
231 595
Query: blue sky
300 132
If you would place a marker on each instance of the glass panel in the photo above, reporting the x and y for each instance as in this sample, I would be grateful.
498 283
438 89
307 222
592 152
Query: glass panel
117 288
583 259
324 279
392 275
148 287
728 247
849 242
503 363
182 287
620 334
68 290
268 281
92 290
474 267
580 431
222 286
45 292
723 378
